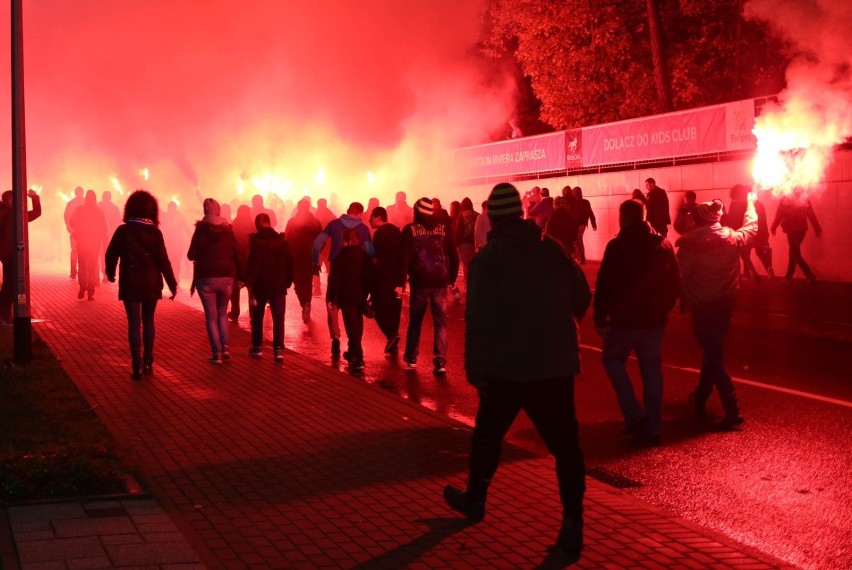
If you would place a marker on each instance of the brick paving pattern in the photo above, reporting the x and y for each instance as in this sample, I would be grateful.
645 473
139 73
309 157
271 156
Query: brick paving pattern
298 465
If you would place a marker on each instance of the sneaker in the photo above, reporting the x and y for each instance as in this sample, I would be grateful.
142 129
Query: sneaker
216 358
459 501
570 539
356 367
346 355
335 347
91 296
81 293
440 369
728 423
306 313
410 361
697 404
279 355
256 352
392 345
226 353
136 375
633 427
148 367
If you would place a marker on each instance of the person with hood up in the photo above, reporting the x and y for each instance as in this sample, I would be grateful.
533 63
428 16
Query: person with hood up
334 231
522 360
709 259
431 262
89 228
269 274
213 249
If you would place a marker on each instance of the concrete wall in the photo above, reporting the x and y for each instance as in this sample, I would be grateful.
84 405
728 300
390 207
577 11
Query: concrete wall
829 256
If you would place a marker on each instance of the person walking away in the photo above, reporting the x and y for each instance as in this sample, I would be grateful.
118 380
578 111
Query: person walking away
542 210
387 305
637 285
113 217
334 232
138 250
257 207
792 215
481 229
213 248
176 233
70 208
685 219
518 360
733 218
349 284
658 207
710 264
301 231
89 228
7 250
400 213
243 226
269 273
324 216
464 233
562 227
584 216
431 263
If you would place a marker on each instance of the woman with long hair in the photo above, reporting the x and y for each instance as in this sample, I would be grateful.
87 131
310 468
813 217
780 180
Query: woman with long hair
138 249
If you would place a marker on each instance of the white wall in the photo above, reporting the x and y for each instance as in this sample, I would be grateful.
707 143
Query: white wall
830 257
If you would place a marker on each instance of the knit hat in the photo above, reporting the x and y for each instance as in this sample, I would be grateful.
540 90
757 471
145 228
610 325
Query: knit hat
424 206
710 211
504 202
211 207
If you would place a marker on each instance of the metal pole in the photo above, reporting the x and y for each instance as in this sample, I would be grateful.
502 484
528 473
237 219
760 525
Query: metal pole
21 267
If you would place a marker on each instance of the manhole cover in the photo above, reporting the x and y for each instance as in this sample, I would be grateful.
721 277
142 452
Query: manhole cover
612 478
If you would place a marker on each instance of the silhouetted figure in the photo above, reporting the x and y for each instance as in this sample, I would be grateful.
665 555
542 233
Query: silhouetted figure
176 233
464 233
431 262
7 249
268 276
519 359
243 226
637 195
481 229
710 265
792 215
584 216
301 231
387 305
70 208
349 284
543 209
637 285
257 207
685 219
89 231
138 249
334 232
562 226
733 219
372 204
324 215
213 248
112 214
400 213
658 207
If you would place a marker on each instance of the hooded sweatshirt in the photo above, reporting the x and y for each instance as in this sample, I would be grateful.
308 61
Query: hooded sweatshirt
270 264
429 256
213 248
507 339
334 230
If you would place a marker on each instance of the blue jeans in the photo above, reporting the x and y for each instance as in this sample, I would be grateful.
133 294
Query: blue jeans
710 323
215 292
420 298
647 344
140 330
277 305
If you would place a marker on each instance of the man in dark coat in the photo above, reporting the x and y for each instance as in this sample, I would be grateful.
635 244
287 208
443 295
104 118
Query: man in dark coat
658 207
522 360
387 239
268 276
301 231
637 285
89 230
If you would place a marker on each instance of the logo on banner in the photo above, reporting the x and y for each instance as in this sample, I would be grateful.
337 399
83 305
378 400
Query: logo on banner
573 149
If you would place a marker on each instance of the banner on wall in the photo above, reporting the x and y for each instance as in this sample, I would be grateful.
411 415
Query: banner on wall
574 149
516 156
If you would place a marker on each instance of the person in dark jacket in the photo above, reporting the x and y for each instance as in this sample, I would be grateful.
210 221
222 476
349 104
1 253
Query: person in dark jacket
349 284
658 207
387 305
213 248
89 228
638 284
243 226
734 218
432 263
7 249
138 249
269 274
301 231
521 360
792 215
562 226
584 216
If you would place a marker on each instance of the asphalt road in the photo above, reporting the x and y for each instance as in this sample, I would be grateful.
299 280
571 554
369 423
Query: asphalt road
781 484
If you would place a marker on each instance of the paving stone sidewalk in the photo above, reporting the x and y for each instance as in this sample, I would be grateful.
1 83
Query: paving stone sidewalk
259 465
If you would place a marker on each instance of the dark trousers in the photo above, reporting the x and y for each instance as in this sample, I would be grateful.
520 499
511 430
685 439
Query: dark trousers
88 276
550 406
140 330
234 313
277 306
303 278
353 323
795 239
710 322
7 295
388 307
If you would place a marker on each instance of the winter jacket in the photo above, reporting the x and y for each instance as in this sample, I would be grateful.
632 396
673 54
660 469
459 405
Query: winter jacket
709 260
351 279
138 249
658 210
388 242
562 227
735 217
429 256
638 282
335 229
464 230
270 266
301 231
542 211
793 214
508 338
89 227
213 248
